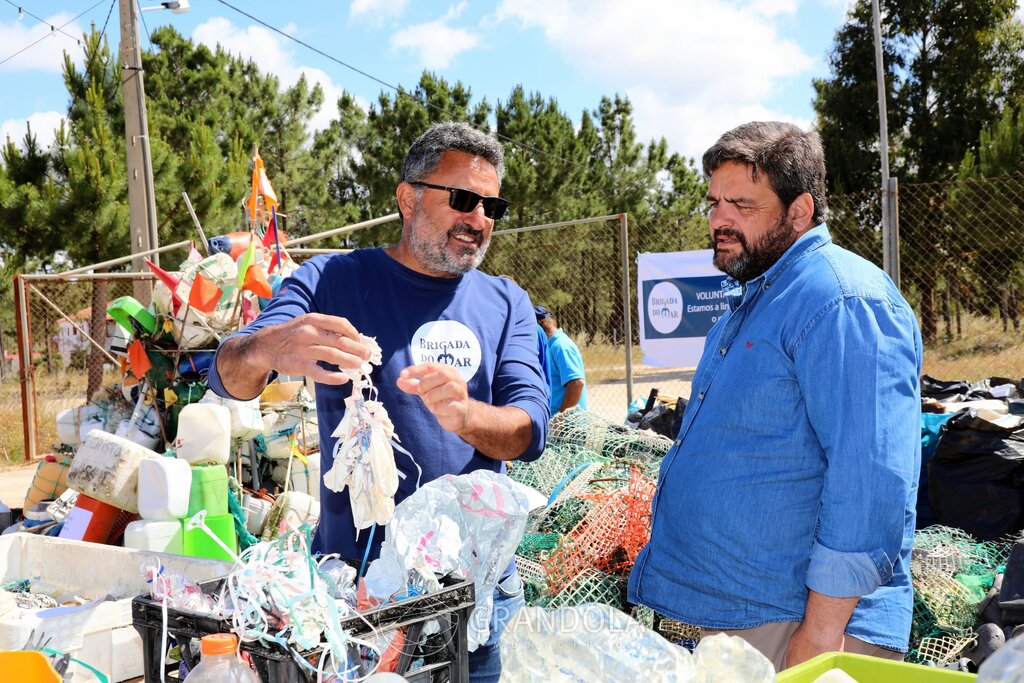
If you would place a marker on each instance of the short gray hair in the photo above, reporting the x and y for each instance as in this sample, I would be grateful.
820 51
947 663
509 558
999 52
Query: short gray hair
450 136
792 159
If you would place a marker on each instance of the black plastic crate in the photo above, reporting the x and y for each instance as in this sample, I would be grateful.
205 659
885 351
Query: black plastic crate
443 657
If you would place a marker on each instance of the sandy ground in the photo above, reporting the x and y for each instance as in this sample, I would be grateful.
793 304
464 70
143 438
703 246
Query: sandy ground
14 483
609 399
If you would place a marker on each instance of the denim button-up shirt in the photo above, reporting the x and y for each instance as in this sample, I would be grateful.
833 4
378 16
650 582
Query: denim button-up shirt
797 461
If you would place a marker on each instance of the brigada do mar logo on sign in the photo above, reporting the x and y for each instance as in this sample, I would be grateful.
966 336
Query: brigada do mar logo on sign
665 307
447 341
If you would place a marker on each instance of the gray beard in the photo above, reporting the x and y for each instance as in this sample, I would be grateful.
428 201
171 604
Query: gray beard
434 255
754 259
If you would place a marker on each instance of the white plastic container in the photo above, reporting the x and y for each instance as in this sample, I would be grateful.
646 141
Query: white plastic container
300 508
67 426
256 510
246 418
101 635
74 423
164 488
305 478
155 535
145 431
204 434
106 467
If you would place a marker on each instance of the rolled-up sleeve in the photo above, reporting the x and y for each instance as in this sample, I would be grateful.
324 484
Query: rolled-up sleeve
519 380
294 298
858 363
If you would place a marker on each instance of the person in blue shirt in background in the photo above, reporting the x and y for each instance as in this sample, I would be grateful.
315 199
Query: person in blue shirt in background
785 509
460 376
564 365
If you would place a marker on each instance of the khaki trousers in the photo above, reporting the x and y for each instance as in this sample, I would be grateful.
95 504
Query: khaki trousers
772 640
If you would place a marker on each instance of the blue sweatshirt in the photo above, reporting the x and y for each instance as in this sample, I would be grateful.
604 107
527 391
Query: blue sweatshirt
483 325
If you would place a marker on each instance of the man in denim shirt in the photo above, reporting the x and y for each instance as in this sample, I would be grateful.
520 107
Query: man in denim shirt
785 509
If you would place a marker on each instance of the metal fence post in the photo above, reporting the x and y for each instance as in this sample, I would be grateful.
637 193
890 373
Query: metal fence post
892 236
26 368
627 307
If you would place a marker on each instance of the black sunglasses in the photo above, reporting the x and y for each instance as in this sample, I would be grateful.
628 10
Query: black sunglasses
465 201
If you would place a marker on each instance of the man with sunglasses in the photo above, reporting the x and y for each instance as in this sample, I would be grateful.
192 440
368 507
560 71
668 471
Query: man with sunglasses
460 377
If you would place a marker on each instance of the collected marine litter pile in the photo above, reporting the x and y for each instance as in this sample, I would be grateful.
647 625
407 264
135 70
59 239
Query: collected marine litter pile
425 602
152 450
599 478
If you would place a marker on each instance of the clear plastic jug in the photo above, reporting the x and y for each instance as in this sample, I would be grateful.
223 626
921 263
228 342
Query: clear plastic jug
220 663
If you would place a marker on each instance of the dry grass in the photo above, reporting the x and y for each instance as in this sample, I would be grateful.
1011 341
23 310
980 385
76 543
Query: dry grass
983 350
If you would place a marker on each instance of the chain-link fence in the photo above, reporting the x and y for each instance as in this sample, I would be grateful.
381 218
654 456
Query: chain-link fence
961 262
74 349
961 268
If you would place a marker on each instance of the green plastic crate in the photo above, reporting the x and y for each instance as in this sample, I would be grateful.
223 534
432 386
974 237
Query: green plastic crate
870 670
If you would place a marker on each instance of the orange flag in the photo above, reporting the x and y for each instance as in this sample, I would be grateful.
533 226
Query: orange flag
138 360
204 295
256 282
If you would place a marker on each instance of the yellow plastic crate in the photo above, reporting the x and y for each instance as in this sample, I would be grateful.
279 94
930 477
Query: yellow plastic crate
870 670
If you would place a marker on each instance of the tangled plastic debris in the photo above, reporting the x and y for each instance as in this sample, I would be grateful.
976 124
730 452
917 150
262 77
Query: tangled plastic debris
364 459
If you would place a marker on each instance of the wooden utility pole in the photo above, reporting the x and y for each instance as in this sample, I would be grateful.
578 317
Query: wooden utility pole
141 199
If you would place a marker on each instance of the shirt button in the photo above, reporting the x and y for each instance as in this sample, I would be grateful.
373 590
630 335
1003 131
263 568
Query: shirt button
722 350
701 395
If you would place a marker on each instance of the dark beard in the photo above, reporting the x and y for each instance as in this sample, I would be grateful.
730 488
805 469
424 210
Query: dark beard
753 260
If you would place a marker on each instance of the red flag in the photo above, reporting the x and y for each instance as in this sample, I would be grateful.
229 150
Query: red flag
248 312
137 359
204 295
169 280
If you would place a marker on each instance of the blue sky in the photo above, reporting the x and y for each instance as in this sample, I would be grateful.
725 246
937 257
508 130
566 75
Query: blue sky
692 68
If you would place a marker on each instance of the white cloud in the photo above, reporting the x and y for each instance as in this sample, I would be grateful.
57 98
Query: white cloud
690 67
688 127
375 12
272 55
48 54
44 126
435 42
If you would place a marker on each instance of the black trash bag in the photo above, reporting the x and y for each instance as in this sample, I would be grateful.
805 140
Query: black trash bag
976 477
664 420
942 390
1001 388
959 390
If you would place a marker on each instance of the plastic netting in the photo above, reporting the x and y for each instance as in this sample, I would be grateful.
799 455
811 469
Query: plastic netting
947 567
599 479
591 585
611 534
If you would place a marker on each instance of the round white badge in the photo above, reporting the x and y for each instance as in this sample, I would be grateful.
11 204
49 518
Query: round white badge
447 341
665 307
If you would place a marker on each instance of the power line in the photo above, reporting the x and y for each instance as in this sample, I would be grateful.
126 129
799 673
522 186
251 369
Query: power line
397 89
107 20
53 29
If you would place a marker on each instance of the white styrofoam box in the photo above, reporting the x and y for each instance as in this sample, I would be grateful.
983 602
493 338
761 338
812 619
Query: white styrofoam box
103 635
106 467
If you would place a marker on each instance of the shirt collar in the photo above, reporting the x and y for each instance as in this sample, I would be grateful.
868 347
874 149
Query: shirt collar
814 238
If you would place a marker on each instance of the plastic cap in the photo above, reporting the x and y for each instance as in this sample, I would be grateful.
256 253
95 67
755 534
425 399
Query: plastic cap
219 644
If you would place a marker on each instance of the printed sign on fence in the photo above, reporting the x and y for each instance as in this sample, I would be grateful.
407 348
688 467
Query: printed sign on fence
680 298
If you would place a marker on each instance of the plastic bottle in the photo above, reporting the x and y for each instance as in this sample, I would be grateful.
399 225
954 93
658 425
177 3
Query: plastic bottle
220 663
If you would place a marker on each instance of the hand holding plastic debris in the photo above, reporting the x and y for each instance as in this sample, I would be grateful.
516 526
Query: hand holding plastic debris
467 525
364 459
594 643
